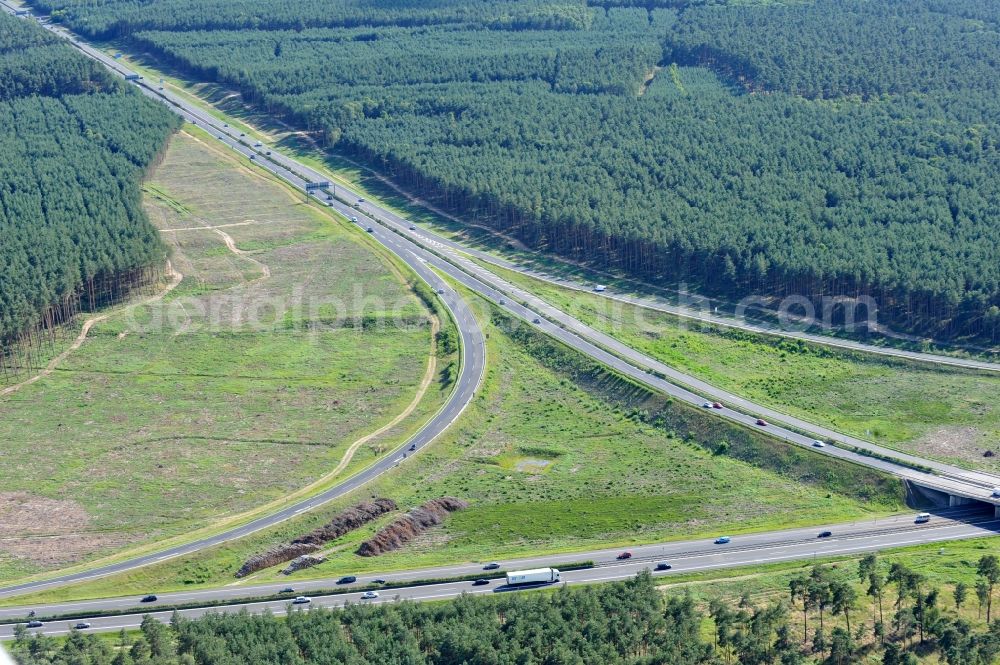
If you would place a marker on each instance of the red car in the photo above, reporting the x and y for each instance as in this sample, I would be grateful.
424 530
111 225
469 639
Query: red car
716 405
762 422
625 555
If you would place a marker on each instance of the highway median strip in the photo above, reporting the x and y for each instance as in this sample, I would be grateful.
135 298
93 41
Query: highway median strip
274 597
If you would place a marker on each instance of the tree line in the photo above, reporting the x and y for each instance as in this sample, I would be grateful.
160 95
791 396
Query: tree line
886 612
599 142
75 143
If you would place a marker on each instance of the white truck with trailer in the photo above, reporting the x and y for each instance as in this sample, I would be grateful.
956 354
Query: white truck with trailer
534 576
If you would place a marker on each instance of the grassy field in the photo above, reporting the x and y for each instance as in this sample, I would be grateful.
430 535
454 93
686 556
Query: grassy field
287 340
554 455
947 414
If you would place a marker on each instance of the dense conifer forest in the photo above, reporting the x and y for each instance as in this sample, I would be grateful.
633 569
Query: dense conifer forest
826 148
74 142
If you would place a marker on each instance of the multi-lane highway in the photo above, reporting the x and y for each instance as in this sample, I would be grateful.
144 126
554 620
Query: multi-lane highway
421 251
469 377
683 557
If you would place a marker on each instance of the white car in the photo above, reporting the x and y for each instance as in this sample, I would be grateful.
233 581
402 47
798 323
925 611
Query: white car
369 595
996 493
922 518
818 444
302 600
707 405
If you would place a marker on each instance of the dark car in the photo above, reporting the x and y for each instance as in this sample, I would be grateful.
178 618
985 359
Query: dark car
762 422
151 598
624 555
82 625
378 581
413 446
663 566
34 624
347 579
491 566
716 405
287 589
825 534
480 582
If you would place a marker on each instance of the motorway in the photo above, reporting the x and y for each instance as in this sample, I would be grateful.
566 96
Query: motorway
421 251
419 246
473 362
683 557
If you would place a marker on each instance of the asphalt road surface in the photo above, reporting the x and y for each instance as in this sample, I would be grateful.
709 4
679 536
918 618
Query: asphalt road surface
420 250
683 557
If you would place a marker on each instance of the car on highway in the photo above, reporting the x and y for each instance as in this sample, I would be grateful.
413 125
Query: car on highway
301 600
663 565
825 534
81 625
480 582
258 144
493 565
34 624
150 598
225 124
536 320
440 292
600 288
347 579
268 153
412 227
361 200
922 518
716 405
722 540
503 302
413 447
329 197
369 595
996 493
287 589
354 219
706 405
762 422
370 230
378 581
624 555
253 156
818 444
242 134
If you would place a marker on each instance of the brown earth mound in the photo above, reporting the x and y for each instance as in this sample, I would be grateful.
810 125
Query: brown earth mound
348 520
272 557
345 521
411 525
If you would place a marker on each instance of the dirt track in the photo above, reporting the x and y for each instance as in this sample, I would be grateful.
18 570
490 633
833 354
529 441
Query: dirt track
175 279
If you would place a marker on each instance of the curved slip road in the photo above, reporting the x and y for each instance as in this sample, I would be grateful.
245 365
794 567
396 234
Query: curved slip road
420 251
684 557
471 372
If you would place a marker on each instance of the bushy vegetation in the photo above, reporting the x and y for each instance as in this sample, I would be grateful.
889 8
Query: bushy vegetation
74 143
570 127
627 622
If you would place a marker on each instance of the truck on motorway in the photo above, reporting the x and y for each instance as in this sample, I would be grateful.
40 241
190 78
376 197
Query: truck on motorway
534 576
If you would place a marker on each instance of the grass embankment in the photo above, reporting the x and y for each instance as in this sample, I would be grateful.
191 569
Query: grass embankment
945 413
556 454
287 341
